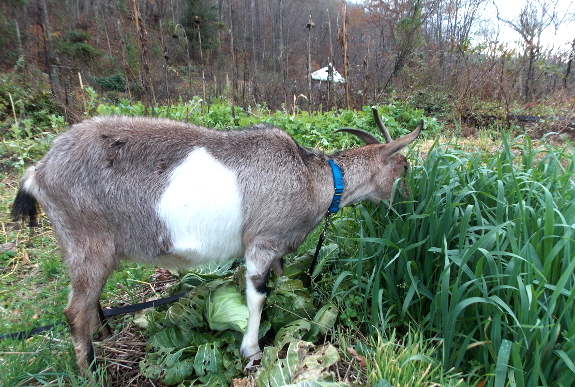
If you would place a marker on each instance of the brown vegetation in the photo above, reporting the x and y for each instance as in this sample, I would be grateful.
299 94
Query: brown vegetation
255 52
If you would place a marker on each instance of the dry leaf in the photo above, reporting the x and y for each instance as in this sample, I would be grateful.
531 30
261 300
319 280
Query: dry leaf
358 357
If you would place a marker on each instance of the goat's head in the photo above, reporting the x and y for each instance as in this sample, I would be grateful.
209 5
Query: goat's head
389 164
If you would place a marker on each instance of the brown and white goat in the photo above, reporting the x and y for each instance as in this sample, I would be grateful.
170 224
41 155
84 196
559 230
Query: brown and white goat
176 195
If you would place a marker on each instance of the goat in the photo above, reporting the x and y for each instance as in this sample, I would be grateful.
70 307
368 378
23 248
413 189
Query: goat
176 195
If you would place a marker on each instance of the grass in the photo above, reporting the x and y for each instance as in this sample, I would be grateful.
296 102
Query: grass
408 361
480 261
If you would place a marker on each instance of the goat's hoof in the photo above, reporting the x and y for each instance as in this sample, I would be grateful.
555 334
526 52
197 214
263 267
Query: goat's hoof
255 360
252 365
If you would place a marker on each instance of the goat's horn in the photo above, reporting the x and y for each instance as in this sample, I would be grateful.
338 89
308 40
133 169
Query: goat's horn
366 137
381 126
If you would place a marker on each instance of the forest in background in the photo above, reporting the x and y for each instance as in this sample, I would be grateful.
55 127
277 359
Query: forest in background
439 54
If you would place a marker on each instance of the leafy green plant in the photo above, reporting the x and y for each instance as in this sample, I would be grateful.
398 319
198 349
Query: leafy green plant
76 46
301 366
26 104
481 258
115 82
407 361
21 152
312 130
197 339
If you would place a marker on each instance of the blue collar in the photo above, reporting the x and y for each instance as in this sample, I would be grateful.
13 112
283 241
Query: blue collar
338 185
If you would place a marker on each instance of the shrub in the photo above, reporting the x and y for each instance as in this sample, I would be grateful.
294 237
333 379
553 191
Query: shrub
76 47
115 82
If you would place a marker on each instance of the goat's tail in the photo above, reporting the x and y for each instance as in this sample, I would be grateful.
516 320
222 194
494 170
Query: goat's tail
25 207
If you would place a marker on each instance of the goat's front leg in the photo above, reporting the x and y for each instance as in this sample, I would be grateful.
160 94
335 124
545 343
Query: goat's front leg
257 274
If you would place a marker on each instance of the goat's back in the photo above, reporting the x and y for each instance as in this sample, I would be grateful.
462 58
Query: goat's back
104 179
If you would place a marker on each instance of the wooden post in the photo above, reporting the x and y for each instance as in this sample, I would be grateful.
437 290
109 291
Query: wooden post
330 68
309 26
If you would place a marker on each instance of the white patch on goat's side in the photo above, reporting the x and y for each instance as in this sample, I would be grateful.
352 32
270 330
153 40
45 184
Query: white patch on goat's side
202 209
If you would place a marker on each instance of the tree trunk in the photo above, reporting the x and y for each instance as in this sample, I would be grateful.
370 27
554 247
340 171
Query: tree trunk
144 67
345 54
330 68
47 37
366 72
530 73
233 54
569 64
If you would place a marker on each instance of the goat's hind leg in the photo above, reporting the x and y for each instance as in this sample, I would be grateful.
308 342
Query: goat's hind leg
87 279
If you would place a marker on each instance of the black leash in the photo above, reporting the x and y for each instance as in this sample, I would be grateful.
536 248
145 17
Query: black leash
161 301
338 187
334 208
105 312
141 306
309 278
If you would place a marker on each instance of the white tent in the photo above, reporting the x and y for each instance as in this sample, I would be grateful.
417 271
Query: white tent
323 75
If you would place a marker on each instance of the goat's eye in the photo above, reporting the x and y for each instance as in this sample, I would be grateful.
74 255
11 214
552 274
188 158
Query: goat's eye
405 169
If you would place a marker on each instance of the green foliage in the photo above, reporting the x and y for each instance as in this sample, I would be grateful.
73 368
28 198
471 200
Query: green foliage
9 43
41 360
115 82
209 25
18 154
316 130
410 361
201 334
225 310
76 46
26 108
481 258
300 366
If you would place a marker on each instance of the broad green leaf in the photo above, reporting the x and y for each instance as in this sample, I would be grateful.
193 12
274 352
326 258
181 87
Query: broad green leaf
324 320
171 365
299 365
292 331
298 266
179 337
226 309
207 271
288 302
382 383
214 380
208 359
325 254
188 312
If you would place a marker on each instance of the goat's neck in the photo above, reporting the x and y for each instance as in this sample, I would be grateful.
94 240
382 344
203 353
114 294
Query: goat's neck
357 166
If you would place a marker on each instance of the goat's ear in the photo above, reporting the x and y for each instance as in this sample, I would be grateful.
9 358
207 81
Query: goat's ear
366 137
400 143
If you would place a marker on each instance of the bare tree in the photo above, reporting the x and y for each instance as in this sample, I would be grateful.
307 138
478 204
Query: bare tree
533 19
569 64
